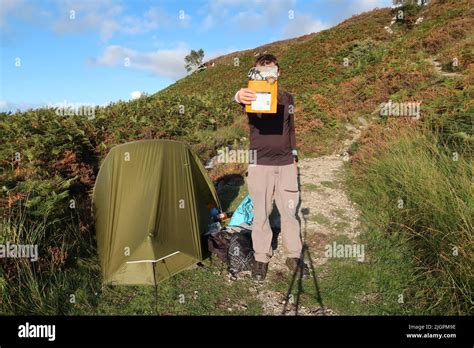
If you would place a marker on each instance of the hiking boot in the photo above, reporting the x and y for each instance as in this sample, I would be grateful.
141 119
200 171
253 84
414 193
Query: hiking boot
259 271
294 264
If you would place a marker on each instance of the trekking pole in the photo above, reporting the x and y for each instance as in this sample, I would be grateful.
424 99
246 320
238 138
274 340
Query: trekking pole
310 259
293 278
300 268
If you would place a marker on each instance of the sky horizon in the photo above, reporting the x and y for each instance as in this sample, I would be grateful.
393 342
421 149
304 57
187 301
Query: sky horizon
98 52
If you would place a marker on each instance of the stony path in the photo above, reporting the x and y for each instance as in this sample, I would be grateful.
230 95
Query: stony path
325 213
439 69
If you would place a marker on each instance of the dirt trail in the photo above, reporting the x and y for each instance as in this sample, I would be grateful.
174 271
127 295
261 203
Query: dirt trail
439 69
326 212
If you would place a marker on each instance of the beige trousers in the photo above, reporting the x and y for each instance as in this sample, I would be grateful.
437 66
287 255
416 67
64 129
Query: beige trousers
281 183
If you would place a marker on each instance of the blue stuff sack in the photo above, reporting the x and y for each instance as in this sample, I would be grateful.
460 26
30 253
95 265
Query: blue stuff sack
243 215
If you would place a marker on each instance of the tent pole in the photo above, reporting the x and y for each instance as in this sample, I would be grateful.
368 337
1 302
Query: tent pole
156 288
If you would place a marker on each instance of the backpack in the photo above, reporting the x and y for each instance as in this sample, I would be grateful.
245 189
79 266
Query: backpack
240 254
235 249
218 243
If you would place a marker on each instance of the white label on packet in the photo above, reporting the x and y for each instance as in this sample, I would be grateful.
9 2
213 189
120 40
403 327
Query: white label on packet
262 102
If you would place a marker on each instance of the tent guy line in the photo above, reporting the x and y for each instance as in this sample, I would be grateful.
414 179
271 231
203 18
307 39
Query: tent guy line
164 257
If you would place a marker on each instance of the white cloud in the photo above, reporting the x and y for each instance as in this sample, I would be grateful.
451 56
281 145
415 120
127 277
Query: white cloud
357 7
79 16
152 19
208 22
253 15
107 29
19 9
109 18
303 24
23 10
155 18
8 106
7 7
136 94
246 15
163 62
250 20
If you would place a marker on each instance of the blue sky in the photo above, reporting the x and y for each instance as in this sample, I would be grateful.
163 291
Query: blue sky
77 50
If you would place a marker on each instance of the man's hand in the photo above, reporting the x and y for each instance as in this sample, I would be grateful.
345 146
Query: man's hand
246 96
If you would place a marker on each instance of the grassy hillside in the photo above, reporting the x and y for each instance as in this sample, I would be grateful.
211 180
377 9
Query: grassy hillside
49 160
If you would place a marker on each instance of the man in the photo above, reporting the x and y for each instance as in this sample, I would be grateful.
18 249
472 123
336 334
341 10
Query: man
274 176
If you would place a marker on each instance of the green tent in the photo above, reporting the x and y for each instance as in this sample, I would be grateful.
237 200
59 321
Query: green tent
151 205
